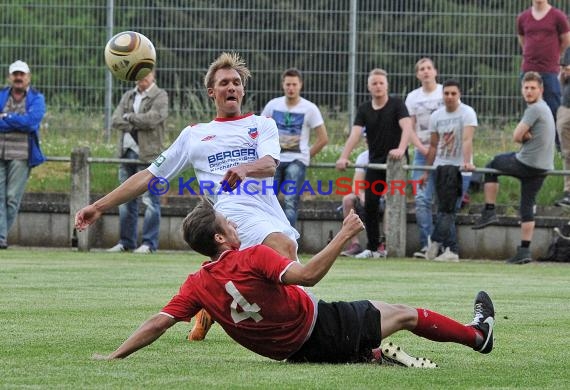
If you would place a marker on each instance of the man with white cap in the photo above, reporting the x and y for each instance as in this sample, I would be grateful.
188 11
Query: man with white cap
22 108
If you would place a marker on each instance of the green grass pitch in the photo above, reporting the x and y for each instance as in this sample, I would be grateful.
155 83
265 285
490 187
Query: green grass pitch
58 308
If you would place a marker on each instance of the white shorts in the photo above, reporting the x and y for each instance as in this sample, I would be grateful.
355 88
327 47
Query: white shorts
256 216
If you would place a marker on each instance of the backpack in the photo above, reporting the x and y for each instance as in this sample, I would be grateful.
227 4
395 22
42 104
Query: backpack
559 249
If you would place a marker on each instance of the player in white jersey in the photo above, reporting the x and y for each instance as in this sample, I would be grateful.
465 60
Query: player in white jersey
212 148
232 149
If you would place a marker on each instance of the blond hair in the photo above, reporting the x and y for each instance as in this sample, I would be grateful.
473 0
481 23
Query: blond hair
422 60
378 72
227 61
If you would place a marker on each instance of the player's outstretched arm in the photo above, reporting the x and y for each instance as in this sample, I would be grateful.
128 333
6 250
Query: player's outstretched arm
130 189
146 334
312 272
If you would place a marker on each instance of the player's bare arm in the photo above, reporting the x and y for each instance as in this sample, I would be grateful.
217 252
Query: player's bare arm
134 186
263 167
311 273
145 335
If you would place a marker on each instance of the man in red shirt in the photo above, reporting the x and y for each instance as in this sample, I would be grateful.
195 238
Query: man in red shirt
544 34
256 296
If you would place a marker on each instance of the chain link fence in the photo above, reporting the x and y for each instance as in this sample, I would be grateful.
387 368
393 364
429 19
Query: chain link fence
334 42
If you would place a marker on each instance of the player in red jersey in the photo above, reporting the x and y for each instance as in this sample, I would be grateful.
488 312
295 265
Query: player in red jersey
255 295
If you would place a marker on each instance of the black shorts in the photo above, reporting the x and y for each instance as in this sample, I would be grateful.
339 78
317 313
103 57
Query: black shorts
345 332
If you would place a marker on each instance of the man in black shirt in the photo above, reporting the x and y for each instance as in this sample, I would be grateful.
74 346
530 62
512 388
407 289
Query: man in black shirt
388 127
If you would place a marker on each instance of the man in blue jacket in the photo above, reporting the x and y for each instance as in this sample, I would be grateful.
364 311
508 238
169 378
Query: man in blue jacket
22 109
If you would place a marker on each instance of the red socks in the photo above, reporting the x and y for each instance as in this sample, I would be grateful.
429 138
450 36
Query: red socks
436 327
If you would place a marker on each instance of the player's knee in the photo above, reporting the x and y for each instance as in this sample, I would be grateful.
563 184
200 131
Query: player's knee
405 315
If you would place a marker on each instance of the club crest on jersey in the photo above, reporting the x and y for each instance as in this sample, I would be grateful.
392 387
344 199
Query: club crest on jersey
208 138
253 132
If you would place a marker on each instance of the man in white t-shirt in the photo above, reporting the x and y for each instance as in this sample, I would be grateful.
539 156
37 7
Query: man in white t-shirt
234 158
421 103
451 144
296 118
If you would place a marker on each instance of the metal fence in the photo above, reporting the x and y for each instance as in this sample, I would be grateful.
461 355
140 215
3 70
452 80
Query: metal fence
334 42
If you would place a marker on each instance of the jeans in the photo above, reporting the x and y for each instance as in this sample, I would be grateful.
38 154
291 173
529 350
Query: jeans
423 198
128 212
289 179
444 230
13 178
552 91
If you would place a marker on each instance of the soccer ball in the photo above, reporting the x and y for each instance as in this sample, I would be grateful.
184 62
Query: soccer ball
130 56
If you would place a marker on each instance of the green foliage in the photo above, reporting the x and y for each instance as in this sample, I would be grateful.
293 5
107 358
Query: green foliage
58 308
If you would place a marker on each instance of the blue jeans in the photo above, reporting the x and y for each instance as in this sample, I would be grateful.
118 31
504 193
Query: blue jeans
424 218
13 178
289 179
128 212
444 230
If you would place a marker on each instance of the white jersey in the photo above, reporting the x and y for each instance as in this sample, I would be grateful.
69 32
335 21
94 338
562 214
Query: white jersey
421 105
295 125
449 126
213 148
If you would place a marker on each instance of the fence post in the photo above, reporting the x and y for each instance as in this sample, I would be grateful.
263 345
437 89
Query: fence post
79 197
395 209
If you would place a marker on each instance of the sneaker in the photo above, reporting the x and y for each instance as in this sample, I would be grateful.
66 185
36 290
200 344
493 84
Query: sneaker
202 325
565 201
118 248
392 355
522 256
421 254
368 254
143 249
448 255
484 320
488 217
382 251
352 250
433 249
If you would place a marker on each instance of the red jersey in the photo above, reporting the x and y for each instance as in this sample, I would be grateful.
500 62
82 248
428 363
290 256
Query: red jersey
243 292
541 45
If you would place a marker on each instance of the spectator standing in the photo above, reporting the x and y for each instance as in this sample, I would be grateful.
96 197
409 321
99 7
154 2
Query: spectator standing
563 126
421 103
544 35
296 118
23 108
140 117
535 132
451 144
388 127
